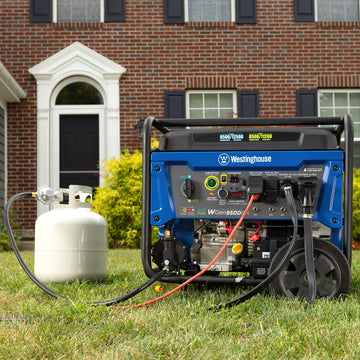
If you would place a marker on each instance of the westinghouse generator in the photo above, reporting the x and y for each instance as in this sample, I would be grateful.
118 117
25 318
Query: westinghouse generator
248 201
289 178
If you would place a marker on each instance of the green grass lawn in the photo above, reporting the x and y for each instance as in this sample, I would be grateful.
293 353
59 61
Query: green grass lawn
36 326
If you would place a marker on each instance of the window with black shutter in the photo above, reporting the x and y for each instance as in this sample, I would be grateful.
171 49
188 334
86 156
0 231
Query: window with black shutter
181 11
326 10
77 11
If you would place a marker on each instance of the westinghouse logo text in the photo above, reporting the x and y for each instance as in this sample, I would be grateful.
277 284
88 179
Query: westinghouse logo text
250 159
224 159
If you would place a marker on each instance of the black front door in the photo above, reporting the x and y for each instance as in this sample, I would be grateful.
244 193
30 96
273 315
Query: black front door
79 150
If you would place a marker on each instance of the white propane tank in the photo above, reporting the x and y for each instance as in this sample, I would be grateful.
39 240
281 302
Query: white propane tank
71 240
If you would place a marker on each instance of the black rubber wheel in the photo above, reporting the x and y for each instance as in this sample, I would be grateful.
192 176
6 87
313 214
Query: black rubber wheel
331 266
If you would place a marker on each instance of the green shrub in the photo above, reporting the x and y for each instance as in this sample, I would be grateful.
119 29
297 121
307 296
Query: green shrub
5 244
119 200
356 206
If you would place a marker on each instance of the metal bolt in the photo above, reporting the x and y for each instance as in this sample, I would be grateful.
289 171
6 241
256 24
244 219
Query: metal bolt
157 168
335 168
335 220
156 218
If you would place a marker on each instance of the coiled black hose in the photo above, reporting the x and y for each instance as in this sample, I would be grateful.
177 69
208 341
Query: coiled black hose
52 293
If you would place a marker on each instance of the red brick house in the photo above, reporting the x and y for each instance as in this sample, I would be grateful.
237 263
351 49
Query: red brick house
75 76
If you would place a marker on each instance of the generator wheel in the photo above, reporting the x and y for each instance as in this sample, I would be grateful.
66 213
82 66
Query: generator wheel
332 271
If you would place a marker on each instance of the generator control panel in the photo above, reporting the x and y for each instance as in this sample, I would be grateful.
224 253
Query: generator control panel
215 185
214 194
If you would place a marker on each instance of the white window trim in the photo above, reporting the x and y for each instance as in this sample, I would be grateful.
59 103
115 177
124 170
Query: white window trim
316 10
102 11
186 10
188 92
346 91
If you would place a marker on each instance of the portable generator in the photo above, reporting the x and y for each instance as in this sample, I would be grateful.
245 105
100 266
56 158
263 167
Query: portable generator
198 182
238 201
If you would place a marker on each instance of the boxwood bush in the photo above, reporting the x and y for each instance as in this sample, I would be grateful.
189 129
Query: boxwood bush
119 199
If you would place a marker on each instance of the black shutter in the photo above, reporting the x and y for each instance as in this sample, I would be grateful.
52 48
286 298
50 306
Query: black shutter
248 103
174 12
245 11
40 11
306 103
304 10
175 104
115 11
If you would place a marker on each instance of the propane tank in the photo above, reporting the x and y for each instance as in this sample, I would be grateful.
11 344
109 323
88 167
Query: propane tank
71 240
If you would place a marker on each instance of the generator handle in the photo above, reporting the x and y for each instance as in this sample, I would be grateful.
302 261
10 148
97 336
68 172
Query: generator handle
348 185
146 186
163 124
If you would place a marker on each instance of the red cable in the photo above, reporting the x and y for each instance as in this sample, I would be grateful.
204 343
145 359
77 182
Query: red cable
253 236
253 197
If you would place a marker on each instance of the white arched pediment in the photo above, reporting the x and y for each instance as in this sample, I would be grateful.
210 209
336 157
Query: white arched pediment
74 61
77 59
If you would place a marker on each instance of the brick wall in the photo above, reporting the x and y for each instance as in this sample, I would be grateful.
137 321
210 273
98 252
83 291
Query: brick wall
275 56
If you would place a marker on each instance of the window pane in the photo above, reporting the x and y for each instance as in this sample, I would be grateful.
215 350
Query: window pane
226 101
209 10
355 114
196 100
196 114
211 101
226 113
357 131
338 10
355 99
326 112
341 99
78 10
357 154
211 114
326 99
78 93
341 111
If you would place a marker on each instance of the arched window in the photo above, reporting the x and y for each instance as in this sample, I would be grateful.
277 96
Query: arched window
79 93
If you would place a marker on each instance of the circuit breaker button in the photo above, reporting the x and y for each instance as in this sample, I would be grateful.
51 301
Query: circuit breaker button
223 193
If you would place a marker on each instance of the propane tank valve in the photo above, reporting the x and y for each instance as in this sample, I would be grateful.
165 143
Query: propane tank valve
47 195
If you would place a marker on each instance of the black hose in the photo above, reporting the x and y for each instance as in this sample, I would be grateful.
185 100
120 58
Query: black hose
52 293
254 291
309 258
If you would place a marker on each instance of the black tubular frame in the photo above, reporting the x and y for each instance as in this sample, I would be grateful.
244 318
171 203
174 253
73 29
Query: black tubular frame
339 125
